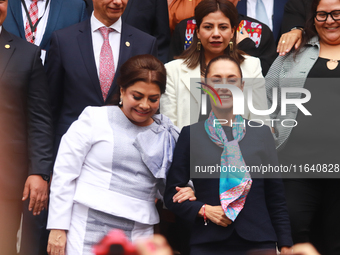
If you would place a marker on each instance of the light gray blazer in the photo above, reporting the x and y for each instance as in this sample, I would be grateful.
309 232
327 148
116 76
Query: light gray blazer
289 71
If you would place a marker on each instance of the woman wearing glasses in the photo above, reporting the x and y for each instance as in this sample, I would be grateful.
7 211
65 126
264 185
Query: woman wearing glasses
313 200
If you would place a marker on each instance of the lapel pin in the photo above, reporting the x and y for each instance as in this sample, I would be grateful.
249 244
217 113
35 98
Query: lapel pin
7 46
127 44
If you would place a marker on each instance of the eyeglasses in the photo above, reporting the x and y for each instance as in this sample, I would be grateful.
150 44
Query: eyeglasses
323 16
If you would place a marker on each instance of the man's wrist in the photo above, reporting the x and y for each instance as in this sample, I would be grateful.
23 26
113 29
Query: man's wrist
299 28
45 177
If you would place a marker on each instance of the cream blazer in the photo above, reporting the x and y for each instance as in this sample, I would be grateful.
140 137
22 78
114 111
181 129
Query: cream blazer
182 105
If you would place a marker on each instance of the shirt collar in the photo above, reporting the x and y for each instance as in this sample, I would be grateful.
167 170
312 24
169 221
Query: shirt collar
30 1
96 24
0 29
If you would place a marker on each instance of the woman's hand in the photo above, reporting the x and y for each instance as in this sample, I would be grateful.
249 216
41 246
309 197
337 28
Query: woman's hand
183 194
304 249
56 242
288 40
286 250
241 36
216 215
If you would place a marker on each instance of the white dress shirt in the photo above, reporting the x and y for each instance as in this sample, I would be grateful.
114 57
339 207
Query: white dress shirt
98 40
269 5
41 13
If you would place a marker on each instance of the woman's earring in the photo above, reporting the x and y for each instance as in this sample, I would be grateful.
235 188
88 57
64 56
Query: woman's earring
121 102
231 46
198 46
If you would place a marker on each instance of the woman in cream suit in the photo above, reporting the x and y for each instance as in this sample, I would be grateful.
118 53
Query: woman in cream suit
216 35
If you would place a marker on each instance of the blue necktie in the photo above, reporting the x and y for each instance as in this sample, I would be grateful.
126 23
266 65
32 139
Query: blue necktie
261 13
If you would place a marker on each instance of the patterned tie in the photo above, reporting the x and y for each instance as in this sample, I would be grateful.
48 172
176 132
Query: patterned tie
106 63
33 12
261 13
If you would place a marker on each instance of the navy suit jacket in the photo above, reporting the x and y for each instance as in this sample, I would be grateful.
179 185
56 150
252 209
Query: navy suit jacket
151 16
25 118
277 17
63 13
264 216
72 71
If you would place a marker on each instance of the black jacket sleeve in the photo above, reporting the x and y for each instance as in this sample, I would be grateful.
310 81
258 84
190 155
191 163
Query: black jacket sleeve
40 132
179 175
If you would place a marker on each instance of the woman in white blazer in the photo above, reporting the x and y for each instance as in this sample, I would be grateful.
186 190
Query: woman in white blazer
215 35
111 163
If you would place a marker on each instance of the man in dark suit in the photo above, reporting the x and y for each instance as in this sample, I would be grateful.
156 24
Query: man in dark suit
59 14
277 16
150 16
73 64
26 133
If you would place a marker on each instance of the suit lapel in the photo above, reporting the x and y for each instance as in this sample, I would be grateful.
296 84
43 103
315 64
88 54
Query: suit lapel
86 48
187 78
55 6
6 50
125 52
17 14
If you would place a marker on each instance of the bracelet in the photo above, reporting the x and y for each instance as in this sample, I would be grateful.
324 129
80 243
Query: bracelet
299 28
204 216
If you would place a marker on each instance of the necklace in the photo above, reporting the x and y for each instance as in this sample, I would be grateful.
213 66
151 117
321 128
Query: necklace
332 64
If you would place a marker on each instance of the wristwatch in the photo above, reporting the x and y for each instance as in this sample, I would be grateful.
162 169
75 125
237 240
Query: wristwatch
45 177
299 28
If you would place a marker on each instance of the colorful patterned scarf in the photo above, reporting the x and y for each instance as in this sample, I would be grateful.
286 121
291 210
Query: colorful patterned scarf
235 183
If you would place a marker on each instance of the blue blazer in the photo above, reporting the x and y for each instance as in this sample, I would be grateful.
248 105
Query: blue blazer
264 216
63 13
72 71
277 17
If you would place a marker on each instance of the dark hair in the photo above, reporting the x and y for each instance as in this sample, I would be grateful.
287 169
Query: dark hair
192 57
309 30
145 68
222 57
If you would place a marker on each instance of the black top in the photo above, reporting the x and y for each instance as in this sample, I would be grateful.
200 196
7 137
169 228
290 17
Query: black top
264 216
315 139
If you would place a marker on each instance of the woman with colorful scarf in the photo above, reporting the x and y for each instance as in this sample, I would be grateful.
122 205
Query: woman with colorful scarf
235 211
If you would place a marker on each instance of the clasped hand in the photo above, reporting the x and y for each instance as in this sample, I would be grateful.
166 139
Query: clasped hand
216 215
213 213
183 194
